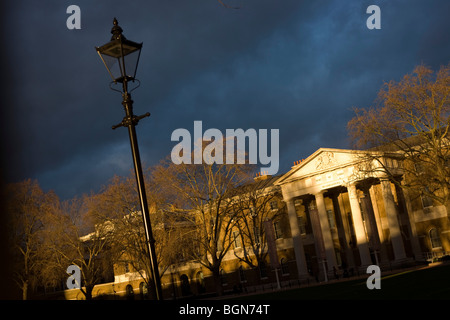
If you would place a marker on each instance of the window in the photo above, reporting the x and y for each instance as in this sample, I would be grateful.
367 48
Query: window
242 277
129 292
185 285
302 224
143 290
273 205
181 254
201 282
337 252
237 243
223 277
426 201
330 215
277 230
435 239
284 267
262 270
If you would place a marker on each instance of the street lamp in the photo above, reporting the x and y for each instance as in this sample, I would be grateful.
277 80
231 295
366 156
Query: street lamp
121 57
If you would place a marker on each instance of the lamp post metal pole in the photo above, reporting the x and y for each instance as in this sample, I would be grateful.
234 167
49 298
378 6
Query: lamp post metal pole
118 48
130 121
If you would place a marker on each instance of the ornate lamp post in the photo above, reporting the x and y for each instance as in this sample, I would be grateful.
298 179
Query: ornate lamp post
121 57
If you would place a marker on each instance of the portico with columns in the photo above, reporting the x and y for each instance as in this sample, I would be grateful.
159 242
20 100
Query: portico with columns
343 220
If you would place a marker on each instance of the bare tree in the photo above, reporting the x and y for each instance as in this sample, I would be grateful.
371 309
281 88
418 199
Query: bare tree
76 240
410 125
117 205
255 204
29 207
206 192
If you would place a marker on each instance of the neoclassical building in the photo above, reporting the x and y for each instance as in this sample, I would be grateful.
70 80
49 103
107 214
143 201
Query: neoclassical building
337 214
357 217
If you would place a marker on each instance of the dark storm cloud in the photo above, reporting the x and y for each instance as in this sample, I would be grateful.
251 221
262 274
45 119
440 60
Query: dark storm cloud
298 66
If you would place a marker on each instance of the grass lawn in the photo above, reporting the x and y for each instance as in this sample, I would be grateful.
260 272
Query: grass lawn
430 283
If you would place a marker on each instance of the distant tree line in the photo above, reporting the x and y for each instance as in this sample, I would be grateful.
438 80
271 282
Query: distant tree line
193 209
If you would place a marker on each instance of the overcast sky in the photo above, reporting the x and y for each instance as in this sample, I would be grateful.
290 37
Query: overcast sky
297 66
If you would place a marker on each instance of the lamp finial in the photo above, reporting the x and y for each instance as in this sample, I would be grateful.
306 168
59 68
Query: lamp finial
116 31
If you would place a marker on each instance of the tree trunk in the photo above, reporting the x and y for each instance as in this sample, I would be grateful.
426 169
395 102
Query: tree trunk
217 281
25 291
88 292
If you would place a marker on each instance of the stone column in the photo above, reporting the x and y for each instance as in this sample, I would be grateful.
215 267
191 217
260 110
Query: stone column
361 238
394 226
343 238
412 223
370 223
318 239
326 232
383 251
297 240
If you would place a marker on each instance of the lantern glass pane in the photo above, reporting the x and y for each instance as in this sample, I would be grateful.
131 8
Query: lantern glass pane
131 63
120 66
113 65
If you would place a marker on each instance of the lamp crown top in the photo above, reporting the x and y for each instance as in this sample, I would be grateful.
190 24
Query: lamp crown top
116 31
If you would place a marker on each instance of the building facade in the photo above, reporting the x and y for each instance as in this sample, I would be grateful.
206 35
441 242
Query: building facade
334 220
357 217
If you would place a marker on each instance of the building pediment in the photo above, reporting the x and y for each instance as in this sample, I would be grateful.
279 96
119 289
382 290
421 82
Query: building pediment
328 168
322 161
324 169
